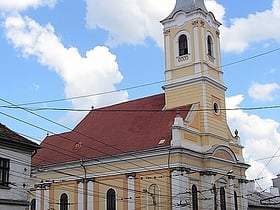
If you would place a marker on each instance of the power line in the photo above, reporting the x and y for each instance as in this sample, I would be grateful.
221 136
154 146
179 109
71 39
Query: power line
252 108
143 85
251 57
70 129
95 149
135 110
274 155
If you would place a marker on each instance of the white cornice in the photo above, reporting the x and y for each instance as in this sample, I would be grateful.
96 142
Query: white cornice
190 80
177 20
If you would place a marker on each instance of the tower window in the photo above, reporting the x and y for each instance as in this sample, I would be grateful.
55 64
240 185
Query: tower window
210 45
183 45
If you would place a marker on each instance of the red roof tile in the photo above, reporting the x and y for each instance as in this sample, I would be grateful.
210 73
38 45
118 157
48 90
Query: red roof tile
126 127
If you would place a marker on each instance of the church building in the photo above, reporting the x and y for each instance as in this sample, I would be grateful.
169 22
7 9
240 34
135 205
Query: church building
173 150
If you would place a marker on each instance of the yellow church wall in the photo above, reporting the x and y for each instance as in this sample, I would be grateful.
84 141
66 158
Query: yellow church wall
99 169
216 121
214 72
142 181
182 96
195 121
182 71
57 189
217 124
196 162
161 178
236 150
191 137
118 183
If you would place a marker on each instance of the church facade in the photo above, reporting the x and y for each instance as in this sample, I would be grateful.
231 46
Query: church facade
168 151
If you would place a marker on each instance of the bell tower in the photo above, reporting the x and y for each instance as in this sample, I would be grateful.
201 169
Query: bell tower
193 72
201 138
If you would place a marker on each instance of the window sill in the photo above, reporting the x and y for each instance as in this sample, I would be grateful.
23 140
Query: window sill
211 58
4 187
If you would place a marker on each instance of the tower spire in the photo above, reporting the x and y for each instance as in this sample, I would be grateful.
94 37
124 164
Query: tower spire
187 6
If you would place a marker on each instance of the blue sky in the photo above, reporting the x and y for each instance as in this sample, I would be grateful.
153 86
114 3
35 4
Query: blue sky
58 49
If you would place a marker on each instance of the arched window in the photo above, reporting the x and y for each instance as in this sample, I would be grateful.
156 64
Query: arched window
183 45
210 45
111 199
33 204
235 201
223 198
194 198
64 202
153 193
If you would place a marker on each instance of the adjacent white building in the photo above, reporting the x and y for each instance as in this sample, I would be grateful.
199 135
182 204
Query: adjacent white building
15 164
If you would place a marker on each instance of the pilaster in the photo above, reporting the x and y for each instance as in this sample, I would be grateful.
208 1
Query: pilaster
179 185
80 195
243 193
38 198
46 197
90 195
208 191
231 200
131 190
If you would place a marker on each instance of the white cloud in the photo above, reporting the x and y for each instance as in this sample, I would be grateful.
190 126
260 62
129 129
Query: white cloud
17 5
128 21
217 9
261 26
132 21
96 72
262 141
263 92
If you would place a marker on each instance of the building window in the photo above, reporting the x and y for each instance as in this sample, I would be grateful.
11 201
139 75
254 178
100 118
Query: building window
33 204
210 46
111 199
216 108
223 198
235 201
153 193
183 45
194 198
4 172
64 202
215 197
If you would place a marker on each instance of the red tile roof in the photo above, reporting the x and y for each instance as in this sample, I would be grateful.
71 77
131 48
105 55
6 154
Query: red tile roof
126 127
10 136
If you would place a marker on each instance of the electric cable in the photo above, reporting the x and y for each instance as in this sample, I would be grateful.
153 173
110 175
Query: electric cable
101 142
144 85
